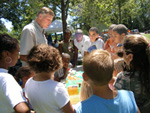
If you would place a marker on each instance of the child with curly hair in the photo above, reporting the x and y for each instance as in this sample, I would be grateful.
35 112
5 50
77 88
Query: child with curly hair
45 94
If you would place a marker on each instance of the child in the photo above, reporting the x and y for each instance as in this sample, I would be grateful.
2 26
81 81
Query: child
11 97
110 44
119 33
23 74
62 73
96 42
45 94
67 46
98 69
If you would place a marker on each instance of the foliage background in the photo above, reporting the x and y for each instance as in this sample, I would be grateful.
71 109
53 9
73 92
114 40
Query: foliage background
135 14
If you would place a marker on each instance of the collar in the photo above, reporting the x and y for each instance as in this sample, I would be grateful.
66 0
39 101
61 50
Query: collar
3 70
119 45
38 26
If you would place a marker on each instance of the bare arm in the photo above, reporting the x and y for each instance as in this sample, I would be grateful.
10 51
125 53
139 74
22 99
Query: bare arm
68 108
138 111
22 108
60 48
85 53
65 73
75 55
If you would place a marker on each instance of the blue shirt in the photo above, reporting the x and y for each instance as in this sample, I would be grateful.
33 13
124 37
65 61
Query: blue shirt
124 102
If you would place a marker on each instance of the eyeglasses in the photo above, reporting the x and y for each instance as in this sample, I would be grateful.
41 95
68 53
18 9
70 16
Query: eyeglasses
120 53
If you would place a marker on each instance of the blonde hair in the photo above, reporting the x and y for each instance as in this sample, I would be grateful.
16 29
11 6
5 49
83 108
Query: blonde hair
98 66
86 91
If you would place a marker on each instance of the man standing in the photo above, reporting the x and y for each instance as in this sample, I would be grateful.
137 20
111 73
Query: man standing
82 42
33 33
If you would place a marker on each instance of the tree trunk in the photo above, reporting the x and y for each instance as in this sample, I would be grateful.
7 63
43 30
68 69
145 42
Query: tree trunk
63 16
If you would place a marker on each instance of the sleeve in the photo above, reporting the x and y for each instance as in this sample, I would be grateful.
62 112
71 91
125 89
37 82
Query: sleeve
77 107
100 44
119 82
75 43
133 101
62 96
87 43
106 45
13 92
27 41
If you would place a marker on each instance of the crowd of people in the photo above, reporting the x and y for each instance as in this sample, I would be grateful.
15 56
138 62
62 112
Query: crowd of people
116 76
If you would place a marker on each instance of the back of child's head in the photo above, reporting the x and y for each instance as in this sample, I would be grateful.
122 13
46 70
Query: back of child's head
98 66
120 28
44 58
94 29
66 59
112 26
22 72
65 55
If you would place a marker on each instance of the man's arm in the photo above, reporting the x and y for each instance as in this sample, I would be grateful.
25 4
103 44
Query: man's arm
27 41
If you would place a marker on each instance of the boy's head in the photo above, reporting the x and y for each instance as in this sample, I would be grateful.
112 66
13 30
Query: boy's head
119 32
24 73
67 35
110 30
93 34
44 58
65 59
79 35
98 67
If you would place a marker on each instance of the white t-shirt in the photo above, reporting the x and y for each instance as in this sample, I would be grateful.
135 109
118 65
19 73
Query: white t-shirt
99 43
83 45
10 92
46 96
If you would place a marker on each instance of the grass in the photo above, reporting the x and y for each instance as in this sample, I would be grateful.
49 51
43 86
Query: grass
147 35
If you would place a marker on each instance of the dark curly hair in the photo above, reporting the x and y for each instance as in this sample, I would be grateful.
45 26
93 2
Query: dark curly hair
44 58
7 43
22 72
